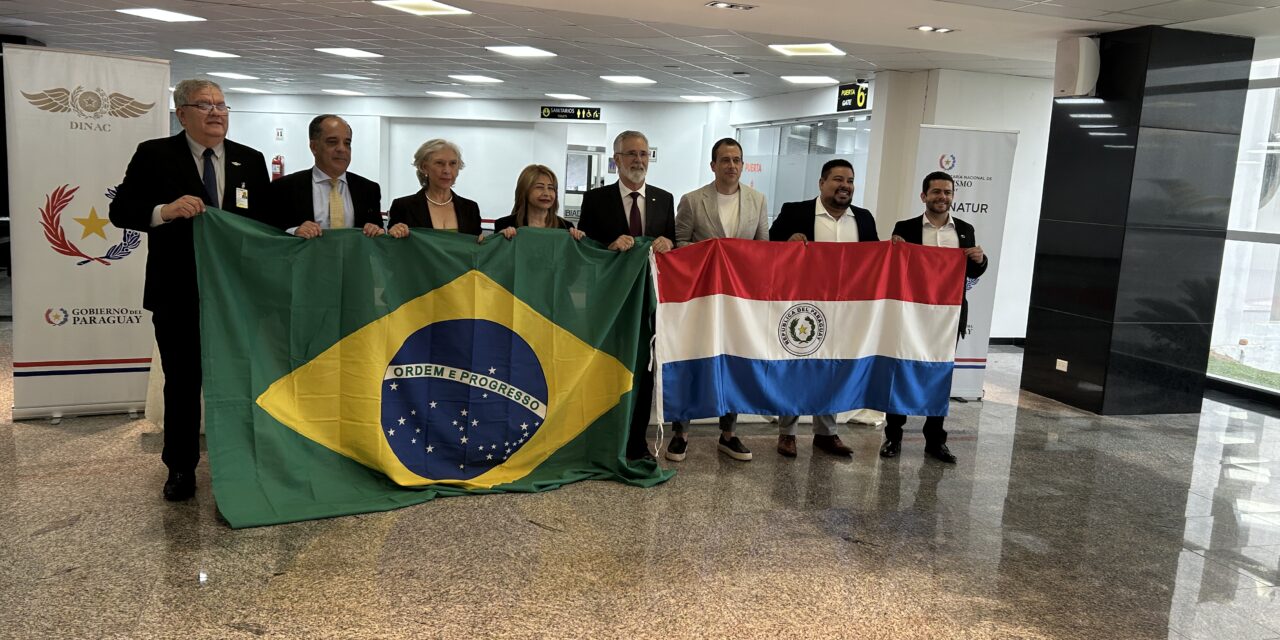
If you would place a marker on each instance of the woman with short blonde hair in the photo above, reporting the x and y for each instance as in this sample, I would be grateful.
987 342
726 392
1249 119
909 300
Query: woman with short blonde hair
435 205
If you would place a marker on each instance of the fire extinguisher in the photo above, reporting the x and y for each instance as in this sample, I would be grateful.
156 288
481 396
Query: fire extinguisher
277 168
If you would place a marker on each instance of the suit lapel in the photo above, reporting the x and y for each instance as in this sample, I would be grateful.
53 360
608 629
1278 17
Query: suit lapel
186 164
233 175
652 227
711 209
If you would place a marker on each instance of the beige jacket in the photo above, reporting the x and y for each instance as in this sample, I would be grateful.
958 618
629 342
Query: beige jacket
698 216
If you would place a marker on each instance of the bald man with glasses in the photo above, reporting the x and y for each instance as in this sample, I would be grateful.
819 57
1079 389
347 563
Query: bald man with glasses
169 182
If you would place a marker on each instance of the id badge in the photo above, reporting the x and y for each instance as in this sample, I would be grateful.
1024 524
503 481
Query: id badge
242 198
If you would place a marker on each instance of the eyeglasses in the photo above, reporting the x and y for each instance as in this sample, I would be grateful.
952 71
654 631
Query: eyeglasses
633 154
206 107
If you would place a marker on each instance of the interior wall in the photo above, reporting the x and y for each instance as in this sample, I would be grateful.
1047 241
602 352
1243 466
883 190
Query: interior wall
1006 103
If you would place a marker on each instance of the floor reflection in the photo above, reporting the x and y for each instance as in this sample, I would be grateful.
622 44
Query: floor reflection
1055 524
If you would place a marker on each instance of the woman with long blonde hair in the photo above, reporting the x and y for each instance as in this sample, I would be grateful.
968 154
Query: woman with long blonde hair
535 205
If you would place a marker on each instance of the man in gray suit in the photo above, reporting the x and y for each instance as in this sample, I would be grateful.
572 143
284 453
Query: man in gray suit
723 209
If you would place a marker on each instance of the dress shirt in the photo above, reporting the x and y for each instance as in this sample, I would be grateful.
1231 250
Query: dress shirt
320 188
197 156
944 236
828 228
626 203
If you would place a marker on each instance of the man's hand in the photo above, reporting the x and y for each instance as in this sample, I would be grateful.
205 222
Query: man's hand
184 207
577 233
662 244
308 230
372 230
798 237
399 230
623 243
975 254
897 239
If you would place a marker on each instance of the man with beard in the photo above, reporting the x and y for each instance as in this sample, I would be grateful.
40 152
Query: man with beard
168 182
936 227
326 196
830 218
615 215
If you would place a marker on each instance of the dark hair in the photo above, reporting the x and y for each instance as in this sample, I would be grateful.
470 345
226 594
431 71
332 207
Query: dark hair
715 148
831 164
314 129
936 175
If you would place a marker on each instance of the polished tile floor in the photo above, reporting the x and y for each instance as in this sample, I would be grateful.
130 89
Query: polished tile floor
1055 524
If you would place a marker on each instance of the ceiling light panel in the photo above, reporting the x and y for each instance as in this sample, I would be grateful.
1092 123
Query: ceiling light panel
207 53
448 94
521 52
477 79
566 96
231 75
810 79
161 15
628 79
350 53
342 92
422 7
816 49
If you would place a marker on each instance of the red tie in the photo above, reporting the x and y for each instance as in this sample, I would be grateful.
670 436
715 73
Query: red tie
636 228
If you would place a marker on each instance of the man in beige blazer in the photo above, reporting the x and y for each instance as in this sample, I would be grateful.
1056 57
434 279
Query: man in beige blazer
723 209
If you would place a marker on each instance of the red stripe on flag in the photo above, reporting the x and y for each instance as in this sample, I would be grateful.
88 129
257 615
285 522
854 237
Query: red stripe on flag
68 363
812 271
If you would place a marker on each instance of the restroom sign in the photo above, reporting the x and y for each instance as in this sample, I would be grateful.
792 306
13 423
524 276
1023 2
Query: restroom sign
571 113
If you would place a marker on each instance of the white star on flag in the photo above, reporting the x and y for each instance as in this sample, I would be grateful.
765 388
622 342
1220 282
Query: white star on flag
402 421
432 405
464 412
413 412
492 371
455 423
475 423
391 432
430 448
485 395
413 441
394 386
489 457
524 425
464 439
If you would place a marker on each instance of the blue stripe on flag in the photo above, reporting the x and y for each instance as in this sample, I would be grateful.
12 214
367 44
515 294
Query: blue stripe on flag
710 387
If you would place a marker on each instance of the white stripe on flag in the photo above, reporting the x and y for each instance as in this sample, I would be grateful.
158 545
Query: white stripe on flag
726 325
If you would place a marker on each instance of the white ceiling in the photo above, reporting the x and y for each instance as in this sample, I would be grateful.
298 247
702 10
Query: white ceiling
687 47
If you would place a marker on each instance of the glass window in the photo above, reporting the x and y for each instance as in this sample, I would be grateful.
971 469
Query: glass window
784 162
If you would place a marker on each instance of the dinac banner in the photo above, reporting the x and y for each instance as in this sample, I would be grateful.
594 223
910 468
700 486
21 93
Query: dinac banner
81 340
981 162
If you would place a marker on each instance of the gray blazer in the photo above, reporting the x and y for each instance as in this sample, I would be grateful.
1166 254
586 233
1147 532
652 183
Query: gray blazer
698 216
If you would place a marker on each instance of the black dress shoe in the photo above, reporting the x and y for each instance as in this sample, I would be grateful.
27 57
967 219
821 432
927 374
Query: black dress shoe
890 449
180 486
634 456
940 452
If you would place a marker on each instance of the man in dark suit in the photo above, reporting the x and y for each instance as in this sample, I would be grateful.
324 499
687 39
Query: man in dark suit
326 196
936 227
614 215
170 181
831 217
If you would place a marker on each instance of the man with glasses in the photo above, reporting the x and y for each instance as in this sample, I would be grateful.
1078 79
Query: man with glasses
168 182
615 215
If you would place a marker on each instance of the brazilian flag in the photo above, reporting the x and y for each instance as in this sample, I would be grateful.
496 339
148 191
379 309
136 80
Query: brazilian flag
346 374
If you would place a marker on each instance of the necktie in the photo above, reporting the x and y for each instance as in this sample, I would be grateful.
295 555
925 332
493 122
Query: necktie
637 229
337 217
210 180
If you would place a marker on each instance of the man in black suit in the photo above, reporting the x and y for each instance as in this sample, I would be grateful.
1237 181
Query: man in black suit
614 215
327 196
936 227
170 181
831 217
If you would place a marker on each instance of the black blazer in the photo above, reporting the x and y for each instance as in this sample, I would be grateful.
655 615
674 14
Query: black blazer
604 220
412 210
797 217
161 171
510 221
912 231
292 202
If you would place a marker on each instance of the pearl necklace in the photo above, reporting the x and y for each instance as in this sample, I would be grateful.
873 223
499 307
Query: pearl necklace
441 204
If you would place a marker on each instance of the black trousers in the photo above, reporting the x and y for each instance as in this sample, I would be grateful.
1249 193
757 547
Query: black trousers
178 338
727 423
934 434
637 445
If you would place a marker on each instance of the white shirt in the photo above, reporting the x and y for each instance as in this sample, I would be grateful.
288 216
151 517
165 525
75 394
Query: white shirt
626 204
827 228
943 236
320 198
197 153
730 210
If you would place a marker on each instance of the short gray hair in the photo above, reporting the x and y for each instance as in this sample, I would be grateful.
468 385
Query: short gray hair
627 135
429 147
184 90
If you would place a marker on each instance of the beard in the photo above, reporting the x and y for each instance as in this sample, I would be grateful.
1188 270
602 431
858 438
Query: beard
635 175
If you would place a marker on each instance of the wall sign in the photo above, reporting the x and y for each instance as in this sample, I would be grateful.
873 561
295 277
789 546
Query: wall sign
852 97
571 113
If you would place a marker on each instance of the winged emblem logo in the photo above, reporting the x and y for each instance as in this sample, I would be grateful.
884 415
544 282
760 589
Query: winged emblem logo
88 103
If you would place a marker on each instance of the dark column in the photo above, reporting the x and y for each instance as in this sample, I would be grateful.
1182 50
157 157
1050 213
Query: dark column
1137 190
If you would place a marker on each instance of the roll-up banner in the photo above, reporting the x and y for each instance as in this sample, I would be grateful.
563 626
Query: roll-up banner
81 340
981 162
